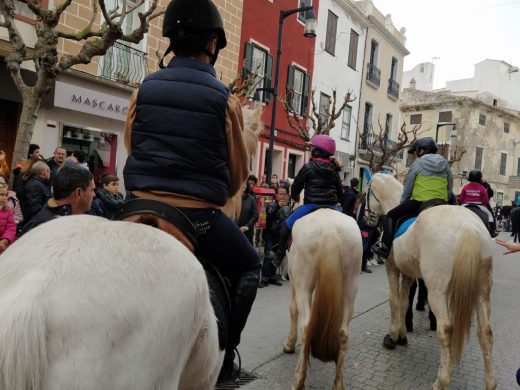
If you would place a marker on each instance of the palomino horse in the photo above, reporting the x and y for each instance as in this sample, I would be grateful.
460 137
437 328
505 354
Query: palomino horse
92 304
450 248
324 260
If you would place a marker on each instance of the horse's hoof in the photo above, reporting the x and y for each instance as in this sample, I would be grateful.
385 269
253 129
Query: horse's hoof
402 340
388 342
288 348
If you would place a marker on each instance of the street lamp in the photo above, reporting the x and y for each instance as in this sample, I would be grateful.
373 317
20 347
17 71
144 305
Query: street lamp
453 132
308 32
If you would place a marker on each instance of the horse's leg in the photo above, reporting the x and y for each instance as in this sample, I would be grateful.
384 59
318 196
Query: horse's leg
393 284
303 303
404 294
439 305
348 311
485 334
290 344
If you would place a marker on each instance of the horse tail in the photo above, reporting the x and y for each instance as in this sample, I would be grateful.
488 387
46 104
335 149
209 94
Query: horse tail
464 289
23 355
327 307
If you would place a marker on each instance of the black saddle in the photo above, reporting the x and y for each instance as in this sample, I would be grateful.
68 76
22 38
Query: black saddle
425 206
480 213
140 210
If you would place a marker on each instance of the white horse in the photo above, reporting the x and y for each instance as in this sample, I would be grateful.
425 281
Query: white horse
92 304
450 248
324 262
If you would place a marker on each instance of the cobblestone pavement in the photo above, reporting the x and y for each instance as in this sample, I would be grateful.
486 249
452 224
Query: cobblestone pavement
370 366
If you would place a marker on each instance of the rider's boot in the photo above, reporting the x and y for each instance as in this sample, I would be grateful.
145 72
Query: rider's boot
242 300
382 248
278 255
493 229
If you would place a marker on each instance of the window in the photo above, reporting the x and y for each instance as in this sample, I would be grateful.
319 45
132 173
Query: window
298 87
421 69
324 108
330 37
388 124
478 158
352 50
500 198
506 127
259 63
503 163
482 120
367 122
415 119
495 102
345 123
518 167
302 15
393 69
374 51
445 116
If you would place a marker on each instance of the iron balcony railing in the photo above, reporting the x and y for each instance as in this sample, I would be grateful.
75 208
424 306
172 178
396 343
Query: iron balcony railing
124 64
393 88
373 74
369 140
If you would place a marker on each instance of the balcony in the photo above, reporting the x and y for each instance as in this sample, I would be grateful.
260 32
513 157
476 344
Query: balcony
123 64
393 89
373 75
368 140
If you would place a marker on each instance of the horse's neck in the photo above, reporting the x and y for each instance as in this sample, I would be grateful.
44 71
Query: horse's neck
393 197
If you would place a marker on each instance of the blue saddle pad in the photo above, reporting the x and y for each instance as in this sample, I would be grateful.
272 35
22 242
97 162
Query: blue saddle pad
404 227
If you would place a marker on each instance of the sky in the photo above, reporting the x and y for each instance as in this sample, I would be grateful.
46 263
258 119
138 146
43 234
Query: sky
456 34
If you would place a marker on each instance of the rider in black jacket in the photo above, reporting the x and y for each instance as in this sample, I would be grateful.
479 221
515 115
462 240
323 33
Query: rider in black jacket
322 183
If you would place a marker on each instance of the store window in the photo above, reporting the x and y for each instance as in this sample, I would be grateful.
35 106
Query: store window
99 148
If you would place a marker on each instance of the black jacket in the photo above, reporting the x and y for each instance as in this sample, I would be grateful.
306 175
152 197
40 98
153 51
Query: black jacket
275 216
349 201
321 181
109 203
36 192
248 214
48 212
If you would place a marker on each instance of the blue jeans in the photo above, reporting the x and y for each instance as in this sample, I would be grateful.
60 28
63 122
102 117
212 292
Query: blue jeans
305 209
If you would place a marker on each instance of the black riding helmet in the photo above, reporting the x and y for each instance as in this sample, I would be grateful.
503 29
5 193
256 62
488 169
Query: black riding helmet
427 144
475 176
188 19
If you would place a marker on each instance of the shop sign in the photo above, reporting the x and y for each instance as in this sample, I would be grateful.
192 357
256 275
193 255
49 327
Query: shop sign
89 101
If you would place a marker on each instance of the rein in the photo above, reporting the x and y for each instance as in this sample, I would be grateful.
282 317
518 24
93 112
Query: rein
371 215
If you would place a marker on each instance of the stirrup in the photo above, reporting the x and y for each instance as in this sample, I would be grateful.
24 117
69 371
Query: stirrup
234 375
381 250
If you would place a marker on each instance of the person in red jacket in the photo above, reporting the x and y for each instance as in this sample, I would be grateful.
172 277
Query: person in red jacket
475 193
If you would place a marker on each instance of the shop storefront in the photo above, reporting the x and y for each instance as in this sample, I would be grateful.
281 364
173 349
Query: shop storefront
90 117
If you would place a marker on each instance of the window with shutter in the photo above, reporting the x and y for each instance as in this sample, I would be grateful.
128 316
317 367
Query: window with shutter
503 163
298 89
324 108
415 119
445 116
258 62
345 123
301 4
352 50
330 38
478 158
482 120
506 127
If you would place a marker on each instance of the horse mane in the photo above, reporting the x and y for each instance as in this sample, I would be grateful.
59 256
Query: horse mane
252 126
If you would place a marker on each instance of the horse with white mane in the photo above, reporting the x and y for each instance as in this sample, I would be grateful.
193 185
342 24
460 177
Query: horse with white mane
91 304
450 248
324 264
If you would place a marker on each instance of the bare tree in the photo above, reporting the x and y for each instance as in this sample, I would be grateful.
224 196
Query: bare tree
48 64
321 123
381 150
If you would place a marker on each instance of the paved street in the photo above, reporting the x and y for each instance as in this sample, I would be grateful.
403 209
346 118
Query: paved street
368 364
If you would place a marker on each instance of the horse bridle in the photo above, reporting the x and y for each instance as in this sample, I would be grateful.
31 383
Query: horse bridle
370 216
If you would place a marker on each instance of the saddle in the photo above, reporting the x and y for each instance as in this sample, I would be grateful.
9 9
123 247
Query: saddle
171 220
406 221
481 214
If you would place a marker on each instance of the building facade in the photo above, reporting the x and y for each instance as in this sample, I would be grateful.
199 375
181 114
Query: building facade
498 79
472 134
421 75
338 66
87 108
384 53
258 54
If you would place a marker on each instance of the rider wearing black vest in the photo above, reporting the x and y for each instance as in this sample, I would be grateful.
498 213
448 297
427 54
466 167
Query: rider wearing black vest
184 136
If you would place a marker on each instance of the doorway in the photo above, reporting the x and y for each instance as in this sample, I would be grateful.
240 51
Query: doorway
8 128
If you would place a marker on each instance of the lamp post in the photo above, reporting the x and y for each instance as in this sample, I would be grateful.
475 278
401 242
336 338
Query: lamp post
309 32
453 131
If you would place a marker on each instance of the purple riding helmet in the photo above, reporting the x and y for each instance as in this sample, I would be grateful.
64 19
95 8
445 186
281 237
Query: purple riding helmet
324 142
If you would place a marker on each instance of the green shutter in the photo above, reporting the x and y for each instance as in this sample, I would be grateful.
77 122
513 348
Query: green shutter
306 93
290 86
268 78
248 61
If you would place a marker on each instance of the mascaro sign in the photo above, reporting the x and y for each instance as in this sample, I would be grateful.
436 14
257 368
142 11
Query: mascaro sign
89 101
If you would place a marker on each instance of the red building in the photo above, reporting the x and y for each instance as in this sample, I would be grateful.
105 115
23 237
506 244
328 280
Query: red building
258 54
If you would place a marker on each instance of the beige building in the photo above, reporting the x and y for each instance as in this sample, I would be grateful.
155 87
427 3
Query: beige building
486 134
380 85
87 108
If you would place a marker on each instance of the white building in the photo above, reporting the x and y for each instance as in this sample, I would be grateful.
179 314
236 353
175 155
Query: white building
422 74
340 43
495 82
